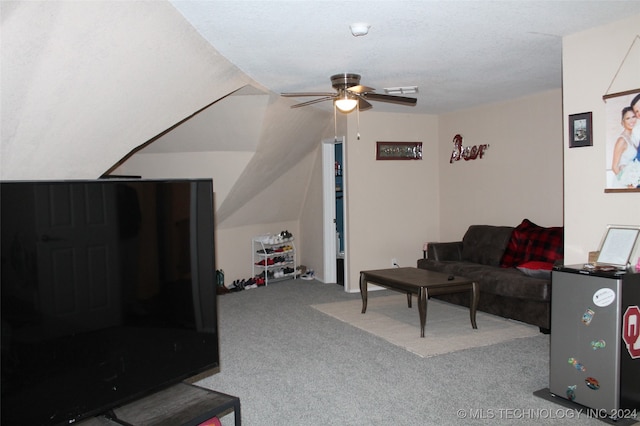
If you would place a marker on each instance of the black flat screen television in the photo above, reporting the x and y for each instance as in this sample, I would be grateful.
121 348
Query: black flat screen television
108 294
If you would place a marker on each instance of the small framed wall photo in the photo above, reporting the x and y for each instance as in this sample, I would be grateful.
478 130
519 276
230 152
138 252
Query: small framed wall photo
580 133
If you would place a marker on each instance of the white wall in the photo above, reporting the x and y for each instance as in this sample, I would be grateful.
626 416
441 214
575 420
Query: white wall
84 83
592 68
520 176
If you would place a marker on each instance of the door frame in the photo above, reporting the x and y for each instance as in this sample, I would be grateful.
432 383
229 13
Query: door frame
329 211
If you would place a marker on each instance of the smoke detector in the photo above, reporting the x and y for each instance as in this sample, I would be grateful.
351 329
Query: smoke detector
359 29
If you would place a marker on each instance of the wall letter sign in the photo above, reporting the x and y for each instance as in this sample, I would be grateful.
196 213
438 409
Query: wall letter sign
466 152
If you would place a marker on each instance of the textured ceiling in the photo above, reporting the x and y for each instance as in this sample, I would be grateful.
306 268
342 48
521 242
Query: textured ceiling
459 53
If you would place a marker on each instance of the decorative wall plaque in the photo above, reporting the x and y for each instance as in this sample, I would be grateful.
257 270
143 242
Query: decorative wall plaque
398 150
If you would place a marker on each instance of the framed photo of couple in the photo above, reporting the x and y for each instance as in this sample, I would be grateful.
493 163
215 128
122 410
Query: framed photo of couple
622 140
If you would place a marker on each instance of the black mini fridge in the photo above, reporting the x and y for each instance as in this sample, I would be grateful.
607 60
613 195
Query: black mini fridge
595 338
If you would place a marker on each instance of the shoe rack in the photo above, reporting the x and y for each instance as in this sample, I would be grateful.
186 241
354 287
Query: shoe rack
274 257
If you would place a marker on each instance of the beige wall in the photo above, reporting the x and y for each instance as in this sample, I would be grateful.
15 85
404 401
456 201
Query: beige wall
222 166
269 212
311 220
392 206
592 68
520 175
395 206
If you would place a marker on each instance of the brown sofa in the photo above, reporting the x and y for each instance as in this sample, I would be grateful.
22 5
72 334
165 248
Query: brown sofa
511 266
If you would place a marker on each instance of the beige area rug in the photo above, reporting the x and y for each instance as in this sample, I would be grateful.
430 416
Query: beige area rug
448 328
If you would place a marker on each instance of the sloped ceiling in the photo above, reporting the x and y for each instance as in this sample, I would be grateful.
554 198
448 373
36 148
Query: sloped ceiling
280 141
84 83
287 137
231 124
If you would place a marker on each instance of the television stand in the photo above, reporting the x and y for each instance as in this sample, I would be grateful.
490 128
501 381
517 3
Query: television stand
182 404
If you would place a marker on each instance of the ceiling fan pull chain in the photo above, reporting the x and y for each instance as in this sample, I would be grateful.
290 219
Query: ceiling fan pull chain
358 118
335 123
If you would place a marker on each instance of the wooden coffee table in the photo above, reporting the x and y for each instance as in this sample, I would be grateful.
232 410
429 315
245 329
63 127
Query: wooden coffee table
421 282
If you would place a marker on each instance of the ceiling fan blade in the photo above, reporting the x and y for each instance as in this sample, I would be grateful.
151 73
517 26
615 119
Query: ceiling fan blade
301 94
348 87
360 89
363 105
390 98
315 101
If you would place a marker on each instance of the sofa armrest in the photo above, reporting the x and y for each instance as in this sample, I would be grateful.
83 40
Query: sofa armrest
445 251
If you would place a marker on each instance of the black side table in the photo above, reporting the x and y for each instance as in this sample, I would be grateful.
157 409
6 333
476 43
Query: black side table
182 404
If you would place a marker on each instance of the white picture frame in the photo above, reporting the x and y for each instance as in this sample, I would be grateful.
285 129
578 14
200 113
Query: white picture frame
617 245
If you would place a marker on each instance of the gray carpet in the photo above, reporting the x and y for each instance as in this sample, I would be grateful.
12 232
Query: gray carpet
292 365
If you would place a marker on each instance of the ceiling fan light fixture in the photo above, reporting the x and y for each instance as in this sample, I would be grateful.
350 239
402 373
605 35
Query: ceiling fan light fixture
346 103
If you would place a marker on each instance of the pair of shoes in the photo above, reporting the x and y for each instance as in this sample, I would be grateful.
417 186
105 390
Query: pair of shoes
237 285
286 235
268 262
267 250
236 288
279 274
279 260
309 275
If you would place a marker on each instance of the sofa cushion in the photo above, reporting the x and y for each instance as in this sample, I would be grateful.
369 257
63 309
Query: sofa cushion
508 282
514 253
536 269
545 244
485 244
532 242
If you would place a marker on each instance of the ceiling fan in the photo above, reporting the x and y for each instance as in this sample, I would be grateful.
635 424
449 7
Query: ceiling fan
349 94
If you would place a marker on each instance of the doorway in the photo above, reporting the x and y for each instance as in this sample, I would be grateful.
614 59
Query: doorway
334 216
339 202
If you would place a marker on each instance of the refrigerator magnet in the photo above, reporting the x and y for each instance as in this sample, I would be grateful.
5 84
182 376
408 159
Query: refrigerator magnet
592 383
571 392
576 364
588 316
604 297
